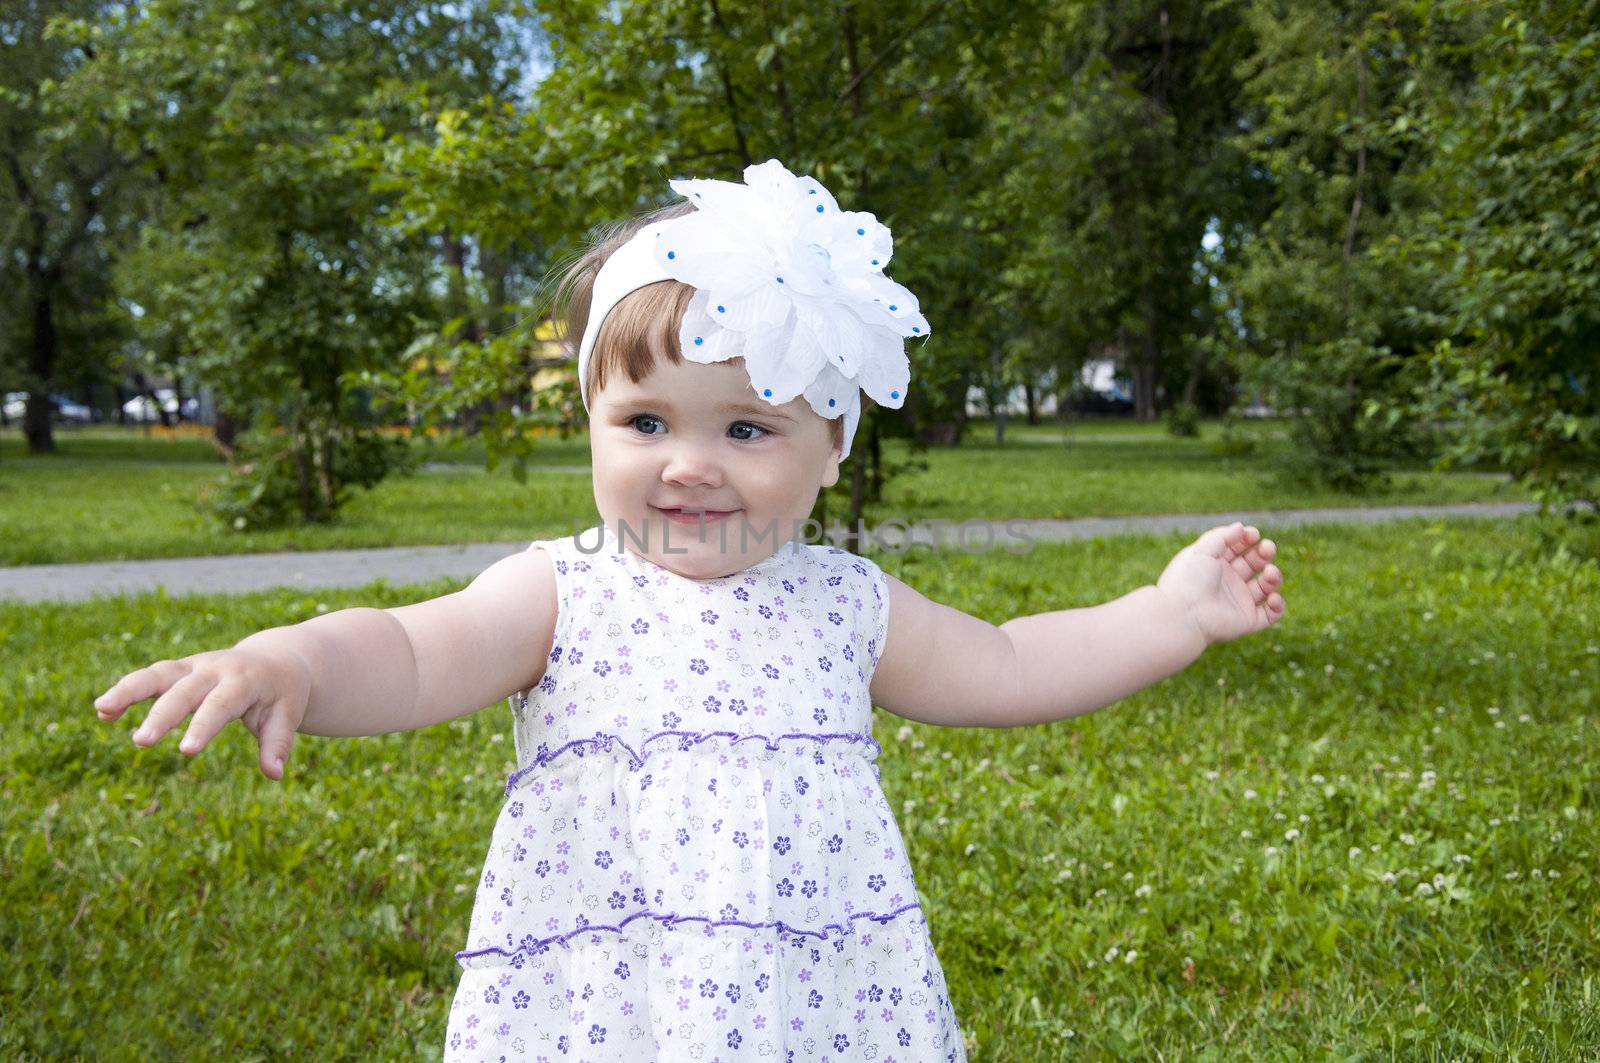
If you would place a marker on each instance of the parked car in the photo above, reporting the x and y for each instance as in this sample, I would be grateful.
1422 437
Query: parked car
62 408
142 408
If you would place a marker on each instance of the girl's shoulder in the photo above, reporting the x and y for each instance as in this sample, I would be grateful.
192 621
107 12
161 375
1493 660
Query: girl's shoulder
840 566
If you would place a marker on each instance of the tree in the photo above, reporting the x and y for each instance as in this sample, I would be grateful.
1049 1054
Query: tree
63 193
1514 241
1325 332
267 267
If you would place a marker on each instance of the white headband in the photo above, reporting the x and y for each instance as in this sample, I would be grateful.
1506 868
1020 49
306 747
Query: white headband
784 279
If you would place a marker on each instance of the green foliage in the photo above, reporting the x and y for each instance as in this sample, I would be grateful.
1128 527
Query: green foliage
1183 420
271 482
1326 335
1514 243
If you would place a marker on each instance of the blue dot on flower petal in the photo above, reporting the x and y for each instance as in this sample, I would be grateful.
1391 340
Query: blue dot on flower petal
780 280
722 309
861 232
820 209
830 402
698 340
894 394
916 328
893 307
874 262
811 191
767 392
672 254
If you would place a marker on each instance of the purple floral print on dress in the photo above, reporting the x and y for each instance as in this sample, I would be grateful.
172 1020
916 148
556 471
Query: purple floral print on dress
695 858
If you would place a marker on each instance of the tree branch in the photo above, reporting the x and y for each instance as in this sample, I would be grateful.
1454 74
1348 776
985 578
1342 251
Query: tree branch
883 56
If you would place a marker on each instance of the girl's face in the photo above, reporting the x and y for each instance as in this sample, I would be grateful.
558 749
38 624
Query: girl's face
695 436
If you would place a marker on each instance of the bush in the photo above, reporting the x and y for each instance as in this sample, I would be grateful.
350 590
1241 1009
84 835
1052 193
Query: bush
276 477
1183 420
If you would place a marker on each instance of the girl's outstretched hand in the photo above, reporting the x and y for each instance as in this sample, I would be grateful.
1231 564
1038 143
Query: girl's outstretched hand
268 692
1226 582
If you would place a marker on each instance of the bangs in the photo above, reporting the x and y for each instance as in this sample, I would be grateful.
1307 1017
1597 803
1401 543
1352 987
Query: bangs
640 328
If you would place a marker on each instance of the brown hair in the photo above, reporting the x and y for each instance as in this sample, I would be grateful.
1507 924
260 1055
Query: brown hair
643 324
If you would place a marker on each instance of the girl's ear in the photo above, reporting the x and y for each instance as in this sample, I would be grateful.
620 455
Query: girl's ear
830 469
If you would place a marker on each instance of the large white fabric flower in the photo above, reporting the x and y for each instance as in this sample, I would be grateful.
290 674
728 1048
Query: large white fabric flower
794 285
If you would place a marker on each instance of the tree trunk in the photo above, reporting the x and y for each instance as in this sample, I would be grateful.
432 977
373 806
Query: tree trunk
36 425
1031 394
1144 367
226 430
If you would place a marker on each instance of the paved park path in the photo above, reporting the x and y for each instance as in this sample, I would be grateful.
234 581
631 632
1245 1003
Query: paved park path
413 564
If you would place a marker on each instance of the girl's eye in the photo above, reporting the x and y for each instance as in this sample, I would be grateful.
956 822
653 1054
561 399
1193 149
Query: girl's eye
647 418
734 428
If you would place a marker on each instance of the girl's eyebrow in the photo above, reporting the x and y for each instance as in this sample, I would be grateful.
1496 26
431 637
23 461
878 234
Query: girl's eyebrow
745 407
727 407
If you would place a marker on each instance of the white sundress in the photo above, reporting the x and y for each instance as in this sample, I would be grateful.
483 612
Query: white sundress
695 859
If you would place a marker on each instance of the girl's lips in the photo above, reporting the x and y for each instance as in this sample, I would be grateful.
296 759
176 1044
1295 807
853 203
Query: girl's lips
678 516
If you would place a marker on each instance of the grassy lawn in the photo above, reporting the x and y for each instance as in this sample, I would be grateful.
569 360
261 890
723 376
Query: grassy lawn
1369 833
111 495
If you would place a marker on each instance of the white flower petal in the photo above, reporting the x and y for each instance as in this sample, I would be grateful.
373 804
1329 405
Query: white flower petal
771 182
839 333
762 304
725 198
701 250
782 360
830 392
701 339
886 371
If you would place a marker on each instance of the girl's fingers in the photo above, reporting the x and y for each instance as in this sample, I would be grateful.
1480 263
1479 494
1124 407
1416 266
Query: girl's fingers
228 700
171 707
1222 541
276 739
134 687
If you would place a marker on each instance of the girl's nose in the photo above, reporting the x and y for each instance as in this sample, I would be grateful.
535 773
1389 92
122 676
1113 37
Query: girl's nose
691 463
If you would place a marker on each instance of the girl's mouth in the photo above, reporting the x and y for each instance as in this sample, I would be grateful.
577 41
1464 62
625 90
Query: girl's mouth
695 516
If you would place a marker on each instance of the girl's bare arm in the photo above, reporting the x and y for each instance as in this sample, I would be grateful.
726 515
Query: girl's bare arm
379 670
357 671
943 666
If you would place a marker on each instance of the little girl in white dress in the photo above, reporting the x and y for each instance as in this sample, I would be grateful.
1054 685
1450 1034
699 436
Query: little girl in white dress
694 859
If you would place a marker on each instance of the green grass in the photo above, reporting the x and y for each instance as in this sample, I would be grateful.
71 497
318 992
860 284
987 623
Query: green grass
111 495
1425 714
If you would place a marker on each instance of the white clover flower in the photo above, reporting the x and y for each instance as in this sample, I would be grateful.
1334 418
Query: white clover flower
1132 954
1388 878
1249 795
1111 953
1272 850
1407 839
1143 890
1463 858
1318 779
1355 852
1291 834
1425 890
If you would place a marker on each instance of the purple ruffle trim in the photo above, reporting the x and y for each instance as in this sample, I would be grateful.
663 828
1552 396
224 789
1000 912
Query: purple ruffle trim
687 739
537 947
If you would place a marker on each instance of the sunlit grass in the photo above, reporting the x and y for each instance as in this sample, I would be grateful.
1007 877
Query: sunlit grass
116 496
1368 833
